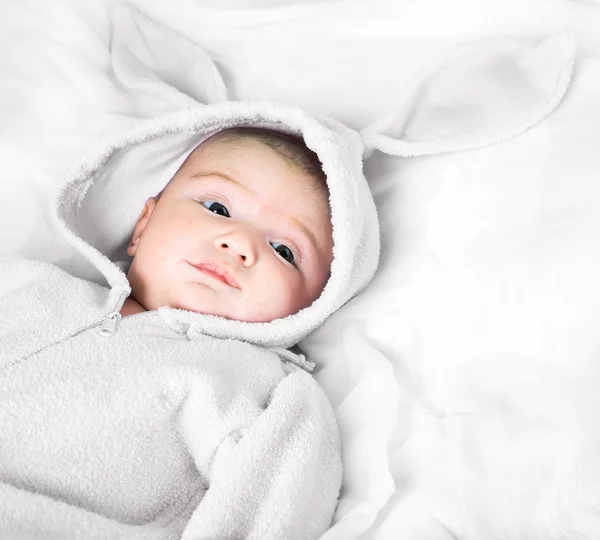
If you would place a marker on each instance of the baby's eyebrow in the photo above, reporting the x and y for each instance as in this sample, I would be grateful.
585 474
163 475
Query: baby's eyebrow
307 233
223 176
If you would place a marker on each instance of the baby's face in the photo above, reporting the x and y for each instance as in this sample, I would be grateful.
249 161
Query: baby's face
238 232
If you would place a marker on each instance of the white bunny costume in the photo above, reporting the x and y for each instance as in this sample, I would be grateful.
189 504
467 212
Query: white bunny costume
172 424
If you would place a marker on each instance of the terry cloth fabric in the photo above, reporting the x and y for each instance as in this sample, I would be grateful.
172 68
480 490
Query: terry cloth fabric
169 423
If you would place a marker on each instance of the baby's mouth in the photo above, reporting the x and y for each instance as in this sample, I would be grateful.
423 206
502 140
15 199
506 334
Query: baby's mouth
217 272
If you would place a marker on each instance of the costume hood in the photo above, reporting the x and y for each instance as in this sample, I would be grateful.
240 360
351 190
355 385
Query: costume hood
98 208
99 205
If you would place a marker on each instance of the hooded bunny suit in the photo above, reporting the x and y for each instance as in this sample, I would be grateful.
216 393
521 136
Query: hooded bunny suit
172 424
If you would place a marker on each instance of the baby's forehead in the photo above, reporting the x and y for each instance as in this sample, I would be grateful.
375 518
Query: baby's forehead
227 154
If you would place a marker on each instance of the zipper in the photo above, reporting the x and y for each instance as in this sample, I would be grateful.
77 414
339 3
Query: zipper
141 314
108 326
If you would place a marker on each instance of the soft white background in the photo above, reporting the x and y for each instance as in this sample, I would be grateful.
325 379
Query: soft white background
466 377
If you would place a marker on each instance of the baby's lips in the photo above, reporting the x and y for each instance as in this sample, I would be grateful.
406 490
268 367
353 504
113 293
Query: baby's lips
218 272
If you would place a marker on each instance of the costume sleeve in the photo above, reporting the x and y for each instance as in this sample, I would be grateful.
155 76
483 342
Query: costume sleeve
279 478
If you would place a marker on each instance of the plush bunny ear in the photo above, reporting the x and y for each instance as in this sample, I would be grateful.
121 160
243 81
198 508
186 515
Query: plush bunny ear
477 95
147 57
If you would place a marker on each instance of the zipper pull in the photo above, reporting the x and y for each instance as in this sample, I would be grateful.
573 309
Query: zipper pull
109 326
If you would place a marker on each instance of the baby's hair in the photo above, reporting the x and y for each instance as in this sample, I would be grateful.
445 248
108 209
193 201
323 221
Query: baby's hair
291 147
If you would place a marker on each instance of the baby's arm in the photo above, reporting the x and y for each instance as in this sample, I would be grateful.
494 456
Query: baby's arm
281 477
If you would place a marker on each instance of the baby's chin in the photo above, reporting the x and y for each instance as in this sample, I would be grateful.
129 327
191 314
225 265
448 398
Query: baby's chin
246 318
219 307
247 314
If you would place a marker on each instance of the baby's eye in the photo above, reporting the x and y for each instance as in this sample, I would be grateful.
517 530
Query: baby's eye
216 207
284 251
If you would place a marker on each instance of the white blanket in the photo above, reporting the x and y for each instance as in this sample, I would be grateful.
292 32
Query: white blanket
467 392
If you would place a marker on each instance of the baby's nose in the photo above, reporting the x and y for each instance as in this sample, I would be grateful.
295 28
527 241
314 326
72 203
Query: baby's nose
239 246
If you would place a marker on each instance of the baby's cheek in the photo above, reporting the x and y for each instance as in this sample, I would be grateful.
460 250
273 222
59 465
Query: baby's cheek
316 279
295 295
276 297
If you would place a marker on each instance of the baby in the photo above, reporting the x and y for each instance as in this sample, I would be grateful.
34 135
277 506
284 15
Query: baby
162 402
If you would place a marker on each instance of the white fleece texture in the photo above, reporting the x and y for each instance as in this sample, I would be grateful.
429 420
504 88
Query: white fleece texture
150 432
75 101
